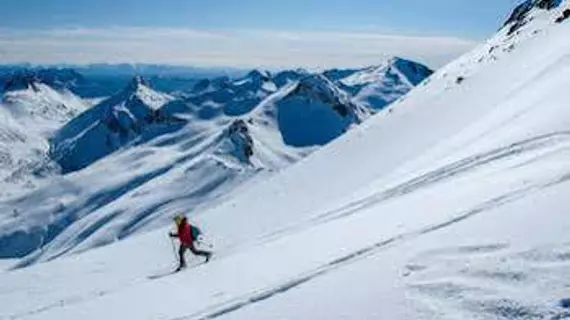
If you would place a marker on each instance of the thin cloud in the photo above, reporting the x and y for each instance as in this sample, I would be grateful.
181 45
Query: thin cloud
241 48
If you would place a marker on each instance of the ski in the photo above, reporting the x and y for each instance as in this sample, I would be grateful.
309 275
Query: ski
171 272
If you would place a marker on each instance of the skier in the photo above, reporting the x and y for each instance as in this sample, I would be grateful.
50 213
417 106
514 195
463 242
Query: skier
186 241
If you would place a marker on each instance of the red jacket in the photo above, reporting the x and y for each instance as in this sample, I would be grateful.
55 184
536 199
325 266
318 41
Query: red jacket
185 233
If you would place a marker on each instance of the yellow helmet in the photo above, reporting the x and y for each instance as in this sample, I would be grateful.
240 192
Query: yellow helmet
178 219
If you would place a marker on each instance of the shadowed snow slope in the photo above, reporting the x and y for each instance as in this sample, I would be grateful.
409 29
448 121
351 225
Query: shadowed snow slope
312 111
451 204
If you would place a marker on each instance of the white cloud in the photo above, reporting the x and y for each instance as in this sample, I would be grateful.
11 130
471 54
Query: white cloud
241 48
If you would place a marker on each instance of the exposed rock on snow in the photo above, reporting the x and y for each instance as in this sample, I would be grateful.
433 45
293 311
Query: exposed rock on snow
242 142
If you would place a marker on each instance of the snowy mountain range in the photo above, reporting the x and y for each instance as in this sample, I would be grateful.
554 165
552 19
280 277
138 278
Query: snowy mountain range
170 153
450 203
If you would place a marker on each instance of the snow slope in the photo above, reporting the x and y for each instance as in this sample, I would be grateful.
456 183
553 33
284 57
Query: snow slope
30 111
38 106
451 206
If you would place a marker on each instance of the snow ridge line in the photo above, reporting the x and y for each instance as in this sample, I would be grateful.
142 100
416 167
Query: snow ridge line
441 174
235 304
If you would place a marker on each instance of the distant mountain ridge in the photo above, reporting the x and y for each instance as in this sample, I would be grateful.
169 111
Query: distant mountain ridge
312 109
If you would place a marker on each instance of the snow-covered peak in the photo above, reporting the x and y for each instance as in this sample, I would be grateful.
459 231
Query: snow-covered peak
254 82
318 87
377 86
108 126
522 14
139 90
531 20
259 74
406 71
39 106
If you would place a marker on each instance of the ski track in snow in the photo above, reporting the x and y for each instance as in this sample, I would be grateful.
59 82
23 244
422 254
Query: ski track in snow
76 299
500 309
557 140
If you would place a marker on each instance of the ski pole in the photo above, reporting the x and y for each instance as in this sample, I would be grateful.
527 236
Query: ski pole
174 249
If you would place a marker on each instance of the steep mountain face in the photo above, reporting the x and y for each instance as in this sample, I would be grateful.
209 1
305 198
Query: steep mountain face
242 143
23 156
312 111
109 126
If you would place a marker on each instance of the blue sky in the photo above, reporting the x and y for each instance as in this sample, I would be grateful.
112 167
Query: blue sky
309 33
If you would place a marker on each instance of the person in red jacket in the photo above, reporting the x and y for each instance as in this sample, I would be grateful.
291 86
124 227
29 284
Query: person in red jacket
184 233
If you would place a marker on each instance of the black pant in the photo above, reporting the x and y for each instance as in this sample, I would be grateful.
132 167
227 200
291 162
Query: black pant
182 250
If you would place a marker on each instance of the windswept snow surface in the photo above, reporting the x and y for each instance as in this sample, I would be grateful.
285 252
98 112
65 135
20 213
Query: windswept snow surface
451 204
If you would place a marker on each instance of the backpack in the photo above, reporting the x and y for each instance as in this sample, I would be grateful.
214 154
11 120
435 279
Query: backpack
196 232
